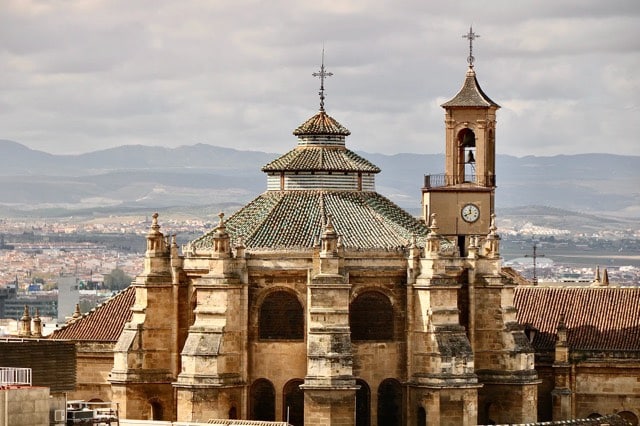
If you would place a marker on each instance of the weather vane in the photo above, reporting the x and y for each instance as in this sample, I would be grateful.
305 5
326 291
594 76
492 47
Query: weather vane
471 36
322 74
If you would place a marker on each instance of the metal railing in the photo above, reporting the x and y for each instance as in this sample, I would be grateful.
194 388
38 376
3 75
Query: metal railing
434 181
14 376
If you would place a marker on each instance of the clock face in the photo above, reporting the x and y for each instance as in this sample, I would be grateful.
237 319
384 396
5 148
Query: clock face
470 213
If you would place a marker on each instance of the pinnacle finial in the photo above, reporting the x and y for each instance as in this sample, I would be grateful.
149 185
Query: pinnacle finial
322 74
493 228
471 36
434 226
154 223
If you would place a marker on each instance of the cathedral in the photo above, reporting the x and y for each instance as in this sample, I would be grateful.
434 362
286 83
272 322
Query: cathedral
321 302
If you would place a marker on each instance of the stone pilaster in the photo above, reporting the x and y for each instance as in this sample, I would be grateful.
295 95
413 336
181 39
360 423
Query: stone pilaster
213 375
144 353
561 395
329 386
503 354
440 359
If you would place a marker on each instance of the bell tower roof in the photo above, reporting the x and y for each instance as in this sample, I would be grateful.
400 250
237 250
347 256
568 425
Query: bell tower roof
471 94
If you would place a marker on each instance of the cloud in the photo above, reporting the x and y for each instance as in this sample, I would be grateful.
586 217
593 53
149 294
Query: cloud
85 75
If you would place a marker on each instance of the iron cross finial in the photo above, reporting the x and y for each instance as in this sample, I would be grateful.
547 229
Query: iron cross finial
322 74
471 36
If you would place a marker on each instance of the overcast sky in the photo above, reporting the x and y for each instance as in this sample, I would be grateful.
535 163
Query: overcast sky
84 75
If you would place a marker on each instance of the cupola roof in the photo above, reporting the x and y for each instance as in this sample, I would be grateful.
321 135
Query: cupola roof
321 124
321 159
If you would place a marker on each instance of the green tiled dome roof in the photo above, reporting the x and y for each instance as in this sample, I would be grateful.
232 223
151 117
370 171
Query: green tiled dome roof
321 159
294 219
321 124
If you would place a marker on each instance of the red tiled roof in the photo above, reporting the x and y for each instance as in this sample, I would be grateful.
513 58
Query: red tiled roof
102 324
597 318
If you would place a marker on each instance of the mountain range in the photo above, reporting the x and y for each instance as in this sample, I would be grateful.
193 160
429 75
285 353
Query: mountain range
136 177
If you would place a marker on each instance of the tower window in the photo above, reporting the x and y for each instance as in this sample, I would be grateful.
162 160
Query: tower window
466 155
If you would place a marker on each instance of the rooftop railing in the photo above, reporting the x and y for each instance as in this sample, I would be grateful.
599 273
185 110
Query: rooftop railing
435 181
13 376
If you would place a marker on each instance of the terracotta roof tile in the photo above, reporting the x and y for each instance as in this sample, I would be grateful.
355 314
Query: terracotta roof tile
102 324
321 124
294 219
597 318
319 158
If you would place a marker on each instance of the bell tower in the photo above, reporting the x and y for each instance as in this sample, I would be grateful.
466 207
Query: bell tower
463 197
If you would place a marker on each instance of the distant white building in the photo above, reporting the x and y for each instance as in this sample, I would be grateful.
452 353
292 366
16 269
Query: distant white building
68 297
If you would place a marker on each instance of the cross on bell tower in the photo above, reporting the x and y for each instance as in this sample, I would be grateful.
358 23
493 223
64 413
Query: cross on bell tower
463 197
471 36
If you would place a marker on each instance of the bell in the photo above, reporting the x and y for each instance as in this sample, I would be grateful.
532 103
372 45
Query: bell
470 158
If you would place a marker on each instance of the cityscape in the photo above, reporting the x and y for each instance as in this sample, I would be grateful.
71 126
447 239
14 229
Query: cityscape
198 226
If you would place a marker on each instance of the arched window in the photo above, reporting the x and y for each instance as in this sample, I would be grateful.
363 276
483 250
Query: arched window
390 403
233 413
156 409
466 155
263 400
293 409
371 317
487 414
631 418
281 317
363 404
422 417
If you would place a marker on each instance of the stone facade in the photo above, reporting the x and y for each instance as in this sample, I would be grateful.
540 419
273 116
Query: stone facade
322 302
327 304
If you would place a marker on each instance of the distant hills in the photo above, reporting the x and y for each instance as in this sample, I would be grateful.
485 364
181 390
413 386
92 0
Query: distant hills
142 177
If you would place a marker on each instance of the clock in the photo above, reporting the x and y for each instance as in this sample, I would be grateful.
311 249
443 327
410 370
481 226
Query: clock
470 213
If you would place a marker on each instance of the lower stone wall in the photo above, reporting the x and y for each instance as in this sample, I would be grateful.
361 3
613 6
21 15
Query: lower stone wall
27 406
506 403
145 401
94 362
329 407
202 404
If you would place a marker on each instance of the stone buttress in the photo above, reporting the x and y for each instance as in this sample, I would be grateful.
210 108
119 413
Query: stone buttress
442 385
211 384
329 386
146 358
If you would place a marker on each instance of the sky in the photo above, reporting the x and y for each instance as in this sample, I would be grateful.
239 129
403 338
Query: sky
86 75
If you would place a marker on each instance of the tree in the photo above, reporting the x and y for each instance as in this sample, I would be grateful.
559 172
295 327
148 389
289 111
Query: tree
117 280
